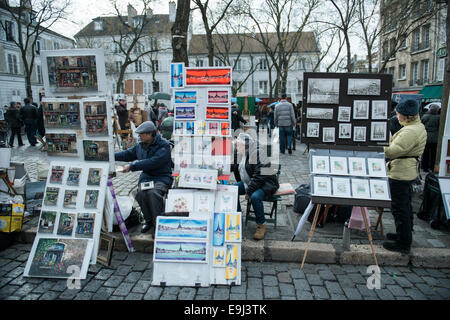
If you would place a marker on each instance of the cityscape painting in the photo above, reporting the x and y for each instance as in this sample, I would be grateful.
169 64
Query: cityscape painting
323 91
180 251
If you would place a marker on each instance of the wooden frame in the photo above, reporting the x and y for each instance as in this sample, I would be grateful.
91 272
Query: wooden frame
109 240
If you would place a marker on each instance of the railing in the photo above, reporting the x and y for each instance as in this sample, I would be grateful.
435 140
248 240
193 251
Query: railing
420 46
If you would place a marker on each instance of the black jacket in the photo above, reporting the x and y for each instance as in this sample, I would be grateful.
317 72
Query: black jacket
40 122
12 117
236 119
29 114
268 182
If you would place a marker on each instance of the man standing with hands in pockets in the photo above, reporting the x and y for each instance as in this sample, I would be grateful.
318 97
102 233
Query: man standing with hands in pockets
285 121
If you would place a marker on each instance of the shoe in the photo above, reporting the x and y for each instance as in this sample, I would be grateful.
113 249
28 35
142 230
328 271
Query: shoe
146 227
12 146
260 232
33 144
290 151
396 247
21 145
392 236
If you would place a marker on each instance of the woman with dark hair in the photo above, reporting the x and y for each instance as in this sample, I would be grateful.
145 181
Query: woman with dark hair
431 122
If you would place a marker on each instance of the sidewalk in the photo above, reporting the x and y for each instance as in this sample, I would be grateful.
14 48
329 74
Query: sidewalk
430 247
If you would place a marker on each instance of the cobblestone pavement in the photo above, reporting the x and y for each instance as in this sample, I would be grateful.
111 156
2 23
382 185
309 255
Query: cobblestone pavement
129 278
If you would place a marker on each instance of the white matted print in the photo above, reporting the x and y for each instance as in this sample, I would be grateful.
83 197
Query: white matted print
204 202
357 166
322 186
180 201
226 201
181 251
329 134
320 164
341 187
319 113
379 189
200 179
364 87
338 165
312 129
376 167
379 109
361 109
182 228
344 114
219 257
345 130
323 90
233 227
360 188
378 131
359 134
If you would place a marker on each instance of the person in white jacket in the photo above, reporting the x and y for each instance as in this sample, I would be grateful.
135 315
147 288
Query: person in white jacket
285 121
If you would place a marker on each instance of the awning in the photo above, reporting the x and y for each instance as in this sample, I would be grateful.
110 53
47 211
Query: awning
432 92
406 92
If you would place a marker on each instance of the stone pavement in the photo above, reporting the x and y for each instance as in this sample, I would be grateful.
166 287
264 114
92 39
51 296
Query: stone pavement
130 274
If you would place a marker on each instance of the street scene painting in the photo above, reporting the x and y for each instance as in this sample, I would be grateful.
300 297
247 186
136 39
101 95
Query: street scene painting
47 221
96 118
66 224
181 227
208 76
95 150
218 97
357 166
61 144
176 75
324 91
322 186
91 198
184 112
73 178
61 114
364 87
70 199
57 174
180 251
217 113
51 196
85 225
185 96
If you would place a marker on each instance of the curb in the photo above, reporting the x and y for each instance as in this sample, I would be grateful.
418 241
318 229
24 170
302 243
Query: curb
289 251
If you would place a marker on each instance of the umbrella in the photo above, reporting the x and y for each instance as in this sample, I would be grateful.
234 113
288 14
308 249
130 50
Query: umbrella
160 96
233 99
258 100
273 104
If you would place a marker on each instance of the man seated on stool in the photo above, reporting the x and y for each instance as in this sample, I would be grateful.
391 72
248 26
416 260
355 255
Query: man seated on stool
152 156
256 183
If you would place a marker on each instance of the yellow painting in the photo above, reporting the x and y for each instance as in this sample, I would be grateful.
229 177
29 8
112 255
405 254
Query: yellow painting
219 257
231 266
233 227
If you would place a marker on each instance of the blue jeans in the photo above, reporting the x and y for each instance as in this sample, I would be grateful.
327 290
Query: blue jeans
285 131
256 198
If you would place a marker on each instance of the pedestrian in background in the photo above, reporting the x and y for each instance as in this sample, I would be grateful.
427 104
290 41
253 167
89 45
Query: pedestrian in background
12 117
236 117
285 121
40 121
29 115
431 122
271 120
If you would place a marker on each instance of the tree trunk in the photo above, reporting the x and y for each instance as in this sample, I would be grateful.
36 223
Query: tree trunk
180 32
209 43
121 76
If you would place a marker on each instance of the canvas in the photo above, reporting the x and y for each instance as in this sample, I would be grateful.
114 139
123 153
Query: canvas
219 97
185 97
66 224
320 164
357 166
322 186
180 251
180 201
325 91
85 225
96 150
47 222
73 178
51 196
218 229
377 167
70 199
233 228
379 189
338 165
219 257
341 187
91 199
176 75
57 174
182 228
231 262
220 76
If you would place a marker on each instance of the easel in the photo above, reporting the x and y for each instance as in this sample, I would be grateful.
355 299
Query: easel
5 178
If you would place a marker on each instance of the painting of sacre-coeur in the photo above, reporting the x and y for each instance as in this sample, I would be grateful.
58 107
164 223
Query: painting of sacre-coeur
378 131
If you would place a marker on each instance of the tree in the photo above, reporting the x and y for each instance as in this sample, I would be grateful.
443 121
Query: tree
32 18
180 32
368 21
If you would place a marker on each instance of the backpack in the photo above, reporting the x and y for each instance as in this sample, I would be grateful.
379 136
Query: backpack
432 207
302 198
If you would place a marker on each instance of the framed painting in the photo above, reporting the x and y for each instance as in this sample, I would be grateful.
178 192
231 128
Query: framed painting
179 127
180 251
344 114
379 189
176 75
184 112
320 164
217 113
94 176
200 128
189 128
322 186
324 91
320 113
185 97
378 131
312 130
357 166
219 97
359 134
345 130
338 165
226 201
376 167
225 129
328 134
361 109
96 117
364 87
360 188
213 128
219 257
182 228
341 187
233 227
213 76
379 109
218 229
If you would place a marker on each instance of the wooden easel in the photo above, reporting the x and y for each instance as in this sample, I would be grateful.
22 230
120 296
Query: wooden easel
313 228
5 178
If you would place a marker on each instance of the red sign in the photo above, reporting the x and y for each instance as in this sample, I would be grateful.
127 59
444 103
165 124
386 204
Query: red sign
208 76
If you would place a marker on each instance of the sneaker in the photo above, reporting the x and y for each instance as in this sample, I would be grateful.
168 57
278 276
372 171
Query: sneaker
260 232
396 247
392 236
290 151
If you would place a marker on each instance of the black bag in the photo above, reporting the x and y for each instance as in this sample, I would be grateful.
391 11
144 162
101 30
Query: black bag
302 198
432 207
5 240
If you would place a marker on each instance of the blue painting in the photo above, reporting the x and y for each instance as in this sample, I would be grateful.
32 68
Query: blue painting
176 75
219 229
187 228
180 251
185 97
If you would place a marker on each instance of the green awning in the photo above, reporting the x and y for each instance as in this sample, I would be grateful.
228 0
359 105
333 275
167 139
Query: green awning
431 93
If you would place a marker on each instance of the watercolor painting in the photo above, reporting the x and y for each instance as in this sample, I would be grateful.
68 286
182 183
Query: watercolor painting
208 76
66 224
219 257
181 227
91 198
51 196
47 221
57 174
180 201
218 97
94 176
73 178
231 262
233 228
85 225
180 251
218 229
176 75
70 199
185 97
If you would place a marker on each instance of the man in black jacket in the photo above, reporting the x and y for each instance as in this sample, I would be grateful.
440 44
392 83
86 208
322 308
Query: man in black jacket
258 180
12 117
29 115
236 117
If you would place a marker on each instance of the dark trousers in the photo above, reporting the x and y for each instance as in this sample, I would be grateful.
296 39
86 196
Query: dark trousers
402 210
429 156
256 199
15 131
31 129
286 134
151 201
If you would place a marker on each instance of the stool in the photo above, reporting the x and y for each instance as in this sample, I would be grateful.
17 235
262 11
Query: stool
274 210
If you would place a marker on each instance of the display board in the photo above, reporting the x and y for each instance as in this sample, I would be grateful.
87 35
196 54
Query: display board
346 108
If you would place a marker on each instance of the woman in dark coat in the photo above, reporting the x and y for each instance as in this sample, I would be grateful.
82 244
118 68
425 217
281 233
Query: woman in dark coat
431 122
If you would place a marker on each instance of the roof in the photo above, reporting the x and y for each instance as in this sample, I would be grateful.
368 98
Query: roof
307 43
158 24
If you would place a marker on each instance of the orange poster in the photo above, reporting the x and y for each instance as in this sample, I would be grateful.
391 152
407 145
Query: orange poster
208 76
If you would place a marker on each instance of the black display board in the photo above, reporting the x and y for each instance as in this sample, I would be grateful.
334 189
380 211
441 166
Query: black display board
329 106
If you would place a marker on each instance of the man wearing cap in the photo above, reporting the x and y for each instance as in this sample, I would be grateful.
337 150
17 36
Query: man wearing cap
402 156
152 157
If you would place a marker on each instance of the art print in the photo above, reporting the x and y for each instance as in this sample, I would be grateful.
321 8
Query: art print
96 150
339 165
73 178
70 199
345 130
320 164
364 87
379 189
51 196
361 109
202 146
225 129
344 114
85 225
379 109
51 258
217 113
66 116
180 251
328 134
357 166
312 129
200 128
178 127
47 221
319 113
208 76
360 188
200 179
324 91
226 201
359 134
322 186
233 228
378 131
181 227
176 75
219 97
57 174
184 112
341 187
203 202
222 164
219 257
187 97
91 199
182 161
180 201
377 167
94 176
66 224
61 144
190 128
213 128
231 262
183 145
96 118
219 229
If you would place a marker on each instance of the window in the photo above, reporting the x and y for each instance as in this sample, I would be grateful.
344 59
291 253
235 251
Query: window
237 64
392 71
403 43
218 63
39 73
56 45
263 87
426 37
425 69
299 86
98 25
199 63
392 44
402 72
415 40
415 72
440 70
9 30
12 64
155 86
262 64
237 85
38 46
302 64
138 66
385 50
118 65
155 65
